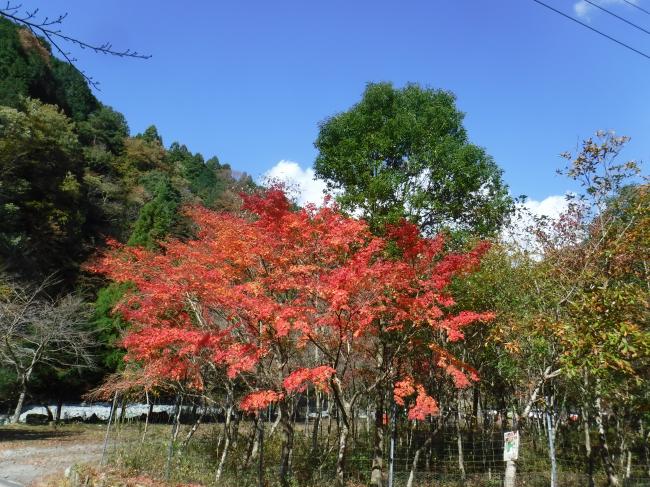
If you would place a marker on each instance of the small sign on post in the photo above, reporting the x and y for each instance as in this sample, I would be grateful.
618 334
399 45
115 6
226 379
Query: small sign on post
510 445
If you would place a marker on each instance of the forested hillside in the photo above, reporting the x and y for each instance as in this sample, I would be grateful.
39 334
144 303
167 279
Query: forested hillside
72 176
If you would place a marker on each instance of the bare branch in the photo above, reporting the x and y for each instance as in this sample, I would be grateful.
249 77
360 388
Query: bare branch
47 28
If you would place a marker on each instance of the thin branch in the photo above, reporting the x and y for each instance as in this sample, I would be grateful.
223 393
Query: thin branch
48 28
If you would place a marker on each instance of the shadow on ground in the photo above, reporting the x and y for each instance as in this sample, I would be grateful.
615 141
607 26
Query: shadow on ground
19 434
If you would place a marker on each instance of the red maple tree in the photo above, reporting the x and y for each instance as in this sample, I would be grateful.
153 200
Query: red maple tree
281 298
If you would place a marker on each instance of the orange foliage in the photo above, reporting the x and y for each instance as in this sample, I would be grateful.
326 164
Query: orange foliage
254 289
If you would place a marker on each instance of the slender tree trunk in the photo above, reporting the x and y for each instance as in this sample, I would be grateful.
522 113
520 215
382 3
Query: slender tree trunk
315 429
612 479
251 448
341 455
276 423
343 416
172 437
424 447
414 465
589 457
628 466
510 475
108 429
21 398
177 420
551 447
59 407
393 445
146 420
226 444
376 475
191 432
235 429
409 439
287 443
459 439
260 464
646 447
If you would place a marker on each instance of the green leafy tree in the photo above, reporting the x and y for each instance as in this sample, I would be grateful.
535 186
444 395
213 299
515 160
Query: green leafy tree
151 135
106 128
109 325
405 153
157 217
41 189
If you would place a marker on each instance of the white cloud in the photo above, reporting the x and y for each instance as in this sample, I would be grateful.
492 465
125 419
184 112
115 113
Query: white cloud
517 232
584 9
551 206
301 182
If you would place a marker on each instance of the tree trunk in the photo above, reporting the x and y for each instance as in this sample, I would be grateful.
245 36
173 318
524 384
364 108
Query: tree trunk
21 399
646 447
425 446
459 439
343 416
376 475
589 457
172 438
227 438
393 445
612 479
191 432
260 463
340 458
551 447
314 431
59 407
251 449
146 420
108 429
276 423
287 443
414 465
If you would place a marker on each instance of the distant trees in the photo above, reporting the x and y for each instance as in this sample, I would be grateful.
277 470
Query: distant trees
41 188
405 153
27 69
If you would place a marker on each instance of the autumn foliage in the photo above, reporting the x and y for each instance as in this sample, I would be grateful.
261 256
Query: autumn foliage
287 299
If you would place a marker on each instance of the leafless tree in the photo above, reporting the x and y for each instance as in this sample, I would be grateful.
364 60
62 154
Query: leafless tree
49 28
39 330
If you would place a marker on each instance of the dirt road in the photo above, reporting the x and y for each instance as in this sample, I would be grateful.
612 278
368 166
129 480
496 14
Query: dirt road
28 456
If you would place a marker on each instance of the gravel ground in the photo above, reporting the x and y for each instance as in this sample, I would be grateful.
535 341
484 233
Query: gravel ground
26 459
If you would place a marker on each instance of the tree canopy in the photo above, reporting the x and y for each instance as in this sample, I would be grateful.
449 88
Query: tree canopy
405 153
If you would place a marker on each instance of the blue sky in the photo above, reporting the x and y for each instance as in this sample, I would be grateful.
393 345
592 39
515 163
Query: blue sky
249 81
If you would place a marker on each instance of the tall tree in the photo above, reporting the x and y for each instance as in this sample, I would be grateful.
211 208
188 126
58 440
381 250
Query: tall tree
405 153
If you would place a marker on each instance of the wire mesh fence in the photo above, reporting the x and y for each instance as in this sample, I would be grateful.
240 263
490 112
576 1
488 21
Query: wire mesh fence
468 456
